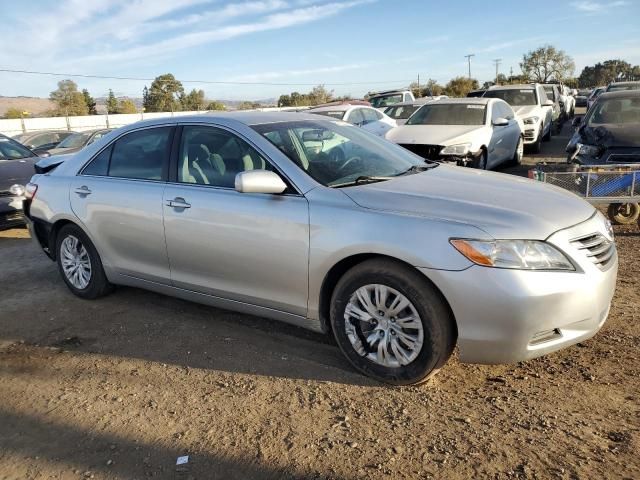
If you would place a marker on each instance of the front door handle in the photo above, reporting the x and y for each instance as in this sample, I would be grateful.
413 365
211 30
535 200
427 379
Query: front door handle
178 202
83 191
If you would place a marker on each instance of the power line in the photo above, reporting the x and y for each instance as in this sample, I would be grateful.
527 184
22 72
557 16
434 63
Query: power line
211 82
468 57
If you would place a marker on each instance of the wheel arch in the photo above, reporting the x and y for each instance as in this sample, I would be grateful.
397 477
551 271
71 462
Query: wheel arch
336 272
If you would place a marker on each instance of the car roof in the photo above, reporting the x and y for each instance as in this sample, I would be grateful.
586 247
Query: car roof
465 100
253 117
620 94
335 108
521 86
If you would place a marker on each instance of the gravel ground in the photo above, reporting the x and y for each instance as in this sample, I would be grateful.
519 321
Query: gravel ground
122 386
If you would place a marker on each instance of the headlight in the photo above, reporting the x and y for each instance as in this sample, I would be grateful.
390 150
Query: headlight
459 149
587 150
17 190
515 254
531 120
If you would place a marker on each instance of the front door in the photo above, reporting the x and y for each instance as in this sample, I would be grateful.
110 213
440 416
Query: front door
247 247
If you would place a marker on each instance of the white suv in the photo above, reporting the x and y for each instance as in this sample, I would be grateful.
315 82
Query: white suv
531 105
382 100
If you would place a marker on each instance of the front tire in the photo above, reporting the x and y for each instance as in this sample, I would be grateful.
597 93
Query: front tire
547 137
391 323
79 264
537 145
519 153
481 162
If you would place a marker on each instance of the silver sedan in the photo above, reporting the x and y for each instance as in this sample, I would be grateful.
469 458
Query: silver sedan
398 258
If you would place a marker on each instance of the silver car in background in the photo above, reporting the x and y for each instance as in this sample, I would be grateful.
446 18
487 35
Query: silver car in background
398 258
480 132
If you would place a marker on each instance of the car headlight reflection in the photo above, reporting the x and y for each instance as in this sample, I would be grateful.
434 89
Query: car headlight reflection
514 254
17 190
459 149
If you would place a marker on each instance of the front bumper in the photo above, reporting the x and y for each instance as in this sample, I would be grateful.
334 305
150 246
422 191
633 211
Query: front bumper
11 214
531 133
507 316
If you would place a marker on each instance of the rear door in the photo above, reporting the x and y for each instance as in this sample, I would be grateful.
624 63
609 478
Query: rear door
248 247
118 198
373 122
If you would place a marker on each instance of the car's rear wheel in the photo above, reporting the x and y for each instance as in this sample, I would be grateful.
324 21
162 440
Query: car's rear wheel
391 323
623 213
79 263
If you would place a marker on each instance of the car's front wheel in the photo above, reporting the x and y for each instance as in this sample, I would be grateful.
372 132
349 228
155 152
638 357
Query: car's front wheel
391 323
79 263
519 153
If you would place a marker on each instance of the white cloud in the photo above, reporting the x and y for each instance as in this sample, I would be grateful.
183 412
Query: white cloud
590 6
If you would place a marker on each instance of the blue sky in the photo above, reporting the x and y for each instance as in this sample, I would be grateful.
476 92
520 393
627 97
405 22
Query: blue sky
368 44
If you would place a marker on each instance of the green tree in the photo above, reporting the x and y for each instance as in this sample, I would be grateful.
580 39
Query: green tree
248 105
460 86
145 98
164 94
126 105
215 105
14 112
68 100
284 101
194 100
112 103
606 72
91 103
319 95
547 63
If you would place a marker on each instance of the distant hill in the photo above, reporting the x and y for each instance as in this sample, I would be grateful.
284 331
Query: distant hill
38 107
35 106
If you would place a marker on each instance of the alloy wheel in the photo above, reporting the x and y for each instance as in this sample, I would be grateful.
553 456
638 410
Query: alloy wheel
383 326
75 261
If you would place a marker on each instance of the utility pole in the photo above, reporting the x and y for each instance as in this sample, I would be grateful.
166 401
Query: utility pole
497 63
468 57
418 86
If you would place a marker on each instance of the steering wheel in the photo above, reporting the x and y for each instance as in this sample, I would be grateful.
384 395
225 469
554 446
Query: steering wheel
349 161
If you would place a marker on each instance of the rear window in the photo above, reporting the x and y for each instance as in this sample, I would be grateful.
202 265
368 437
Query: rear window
401 112
12 150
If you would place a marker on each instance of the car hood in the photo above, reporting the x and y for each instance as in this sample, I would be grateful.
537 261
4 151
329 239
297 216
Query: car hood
612 135
502 205
16 171
526 111
435 134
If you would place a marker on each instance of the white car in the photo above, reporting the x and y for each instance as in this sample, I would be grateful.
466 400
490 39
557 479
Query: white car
531 105
482 132
569 101
368 118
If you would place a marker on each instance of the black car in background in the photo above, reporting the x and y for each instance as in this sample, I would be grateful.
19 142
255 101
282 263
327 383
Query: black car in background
42 140
16 169
77 141
609 133
582 96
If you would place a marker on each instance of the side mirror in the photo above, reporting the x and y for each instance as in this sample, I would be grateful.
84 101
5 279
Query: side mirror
548 103
317 135
577 121
500 122
259 181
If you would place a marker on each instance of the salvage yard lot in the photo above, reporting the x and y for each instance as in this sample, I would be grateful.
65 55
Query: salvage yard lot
121 386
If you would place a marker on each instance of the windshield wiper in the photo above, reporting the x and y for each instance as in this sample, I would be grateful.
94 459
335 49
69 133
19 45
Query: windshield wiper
362 179
418 169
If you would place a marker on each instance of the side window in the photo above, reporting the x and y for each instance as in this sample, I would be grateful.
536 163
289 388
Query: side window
213 156
356 117
369 115
100 164
407 97
508 111
543 95
142 154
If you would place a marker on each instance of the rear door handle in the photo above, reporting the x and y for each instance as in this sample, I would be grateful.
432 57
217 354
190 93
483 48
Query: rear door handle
178 202
83 190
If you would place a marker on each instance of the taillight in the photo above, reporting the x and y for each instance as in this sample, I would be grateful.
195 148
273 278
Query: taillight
30 190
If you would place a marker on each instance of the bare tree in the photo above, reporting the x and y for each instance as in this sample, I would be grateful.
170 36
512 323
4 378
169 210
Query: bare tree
547 63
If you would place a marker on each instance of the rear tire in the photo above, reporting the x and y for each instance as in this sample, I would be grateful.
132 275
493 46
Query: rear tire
623 213
79 264
370 326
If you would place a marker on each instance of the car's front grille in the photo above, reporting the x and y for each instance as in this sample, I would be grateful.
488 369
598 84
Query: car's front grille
529 134
597 249
6 193
430 152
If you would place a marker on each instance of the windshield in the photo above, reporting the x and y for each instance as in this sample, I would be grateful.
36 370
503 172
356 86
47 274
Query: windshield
617 111
449 114
76 140
624 86
514 97
385 100
339 114
401 112
335 153
12 150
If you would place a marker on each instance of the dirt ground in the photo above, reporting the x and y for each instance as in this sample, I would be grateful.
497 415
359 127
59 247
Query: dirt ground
122 386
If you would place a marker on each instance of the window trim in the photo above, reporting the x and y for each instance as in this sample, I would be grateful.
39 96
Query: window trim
172 178
165 163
